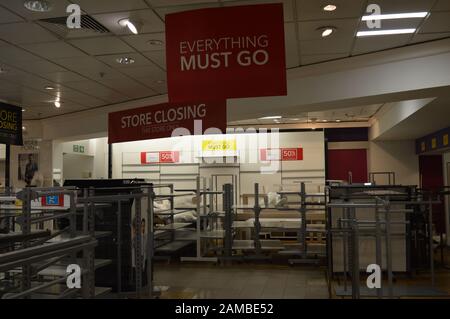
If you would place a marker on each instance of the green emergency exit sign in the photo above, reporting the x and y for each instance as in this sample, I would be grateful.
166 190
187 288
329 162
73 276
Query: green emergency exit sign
78 149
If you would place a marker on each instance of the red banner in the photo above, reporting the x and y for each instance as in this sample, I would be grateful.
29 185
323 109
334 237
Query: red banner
160 157
158 121
281 154
227 52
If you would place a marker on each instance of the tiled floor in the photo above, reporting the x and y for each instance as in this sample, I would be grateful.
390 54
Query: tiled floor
240 281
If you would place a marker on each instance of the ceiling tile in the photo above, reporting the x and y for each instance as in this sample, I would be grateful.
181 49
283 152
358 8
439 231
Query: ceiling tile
173 9
329 45
38 66
378 43
437 22
442 5
104 6
429 37
151 71
11 54
89 67
52 50
97 90
290 38
157 86
141 41
130 88
397 6
63 77
167 3
7 16
147 18
310 59
101 46
24 33
158 57
58 9
288 11
308 30
111 60
313 10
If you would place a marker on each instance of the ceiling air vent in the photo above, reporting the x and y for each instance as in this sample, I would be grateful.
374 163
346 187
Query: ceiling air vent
88 25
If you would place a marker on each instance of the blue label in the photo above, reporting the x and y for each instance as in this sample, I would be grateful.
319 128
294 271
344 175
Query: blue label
52 200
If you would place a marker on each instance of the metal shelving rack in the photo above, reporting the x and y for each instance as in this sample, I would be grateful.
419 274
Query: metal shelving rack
32 259
350 228
259 245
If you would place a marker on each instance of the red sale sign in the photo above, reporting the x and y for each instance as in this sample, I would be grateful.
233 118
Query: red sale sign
160 157
281 154
158 121
227 52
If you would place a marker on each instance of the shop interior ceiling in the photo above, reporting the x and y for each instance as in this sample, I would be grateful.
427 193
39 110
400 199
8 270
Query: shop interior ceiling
80 66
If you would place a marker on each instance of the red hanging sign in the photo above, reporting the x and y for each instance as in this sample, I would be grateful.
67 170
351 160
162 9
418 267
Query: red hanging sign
227 52
281 154
158 121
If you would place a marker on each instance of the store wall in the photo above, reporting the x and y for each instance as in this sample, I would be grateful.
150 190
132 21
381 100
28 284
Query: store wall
249 168
78 166
446 163
44 151
395 156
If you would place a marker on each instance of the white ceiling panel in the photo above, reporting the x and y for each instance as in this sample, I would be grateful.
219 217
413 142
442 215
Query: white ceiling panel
53 50
38 66
313 10
290 38
437 22
329 45
398 6
97 90
63 77
141 41
308 30
24 33
429 37
158 57
102 46
371 44
288 11
442 5
104 6
11 54
58 9
167 3
310 59
7 16
150 22
130 88
111 60
151 71
173 9
157 86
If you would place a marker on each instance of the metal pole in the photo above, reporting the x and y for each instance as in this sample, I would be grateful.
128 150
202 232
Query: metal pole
303 216
257 210
430 233
228 219
119 247
378 254
150 211
389 248
8 169
138 247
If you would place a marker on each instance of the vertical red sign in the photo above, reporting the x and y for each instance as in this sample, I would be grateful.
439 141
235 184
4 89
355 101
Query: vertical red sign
227 52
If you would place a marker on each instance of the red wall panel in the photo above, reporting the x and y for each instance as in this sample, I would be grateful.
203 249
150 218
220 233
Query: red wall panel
341 162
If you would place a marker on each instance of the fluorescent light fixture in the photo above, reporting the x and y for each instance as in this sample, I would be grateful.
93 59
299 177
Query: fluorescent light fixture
125 60
133 26
57 104
271 117
393 16
324 121
337 121
384 32
367 184
38 5
49 88
330 7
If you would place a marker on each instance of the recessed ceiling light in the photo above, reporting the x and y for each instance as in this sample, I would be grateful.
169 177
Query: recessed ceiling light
23 110
324 121
133 26
24 128
326 31
384 32
49 88
155 42
159 81
270 117
393 16
38 5
338 121
125 60
330 7
57 104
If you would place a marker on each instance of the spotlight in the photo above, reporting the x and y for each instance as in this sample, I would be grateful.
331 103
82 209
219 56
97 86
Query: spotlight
133 26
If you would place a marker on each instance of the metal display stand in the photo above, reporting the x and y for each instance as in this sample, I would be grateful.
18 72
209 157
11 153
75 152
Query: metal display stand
31 260
350 229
